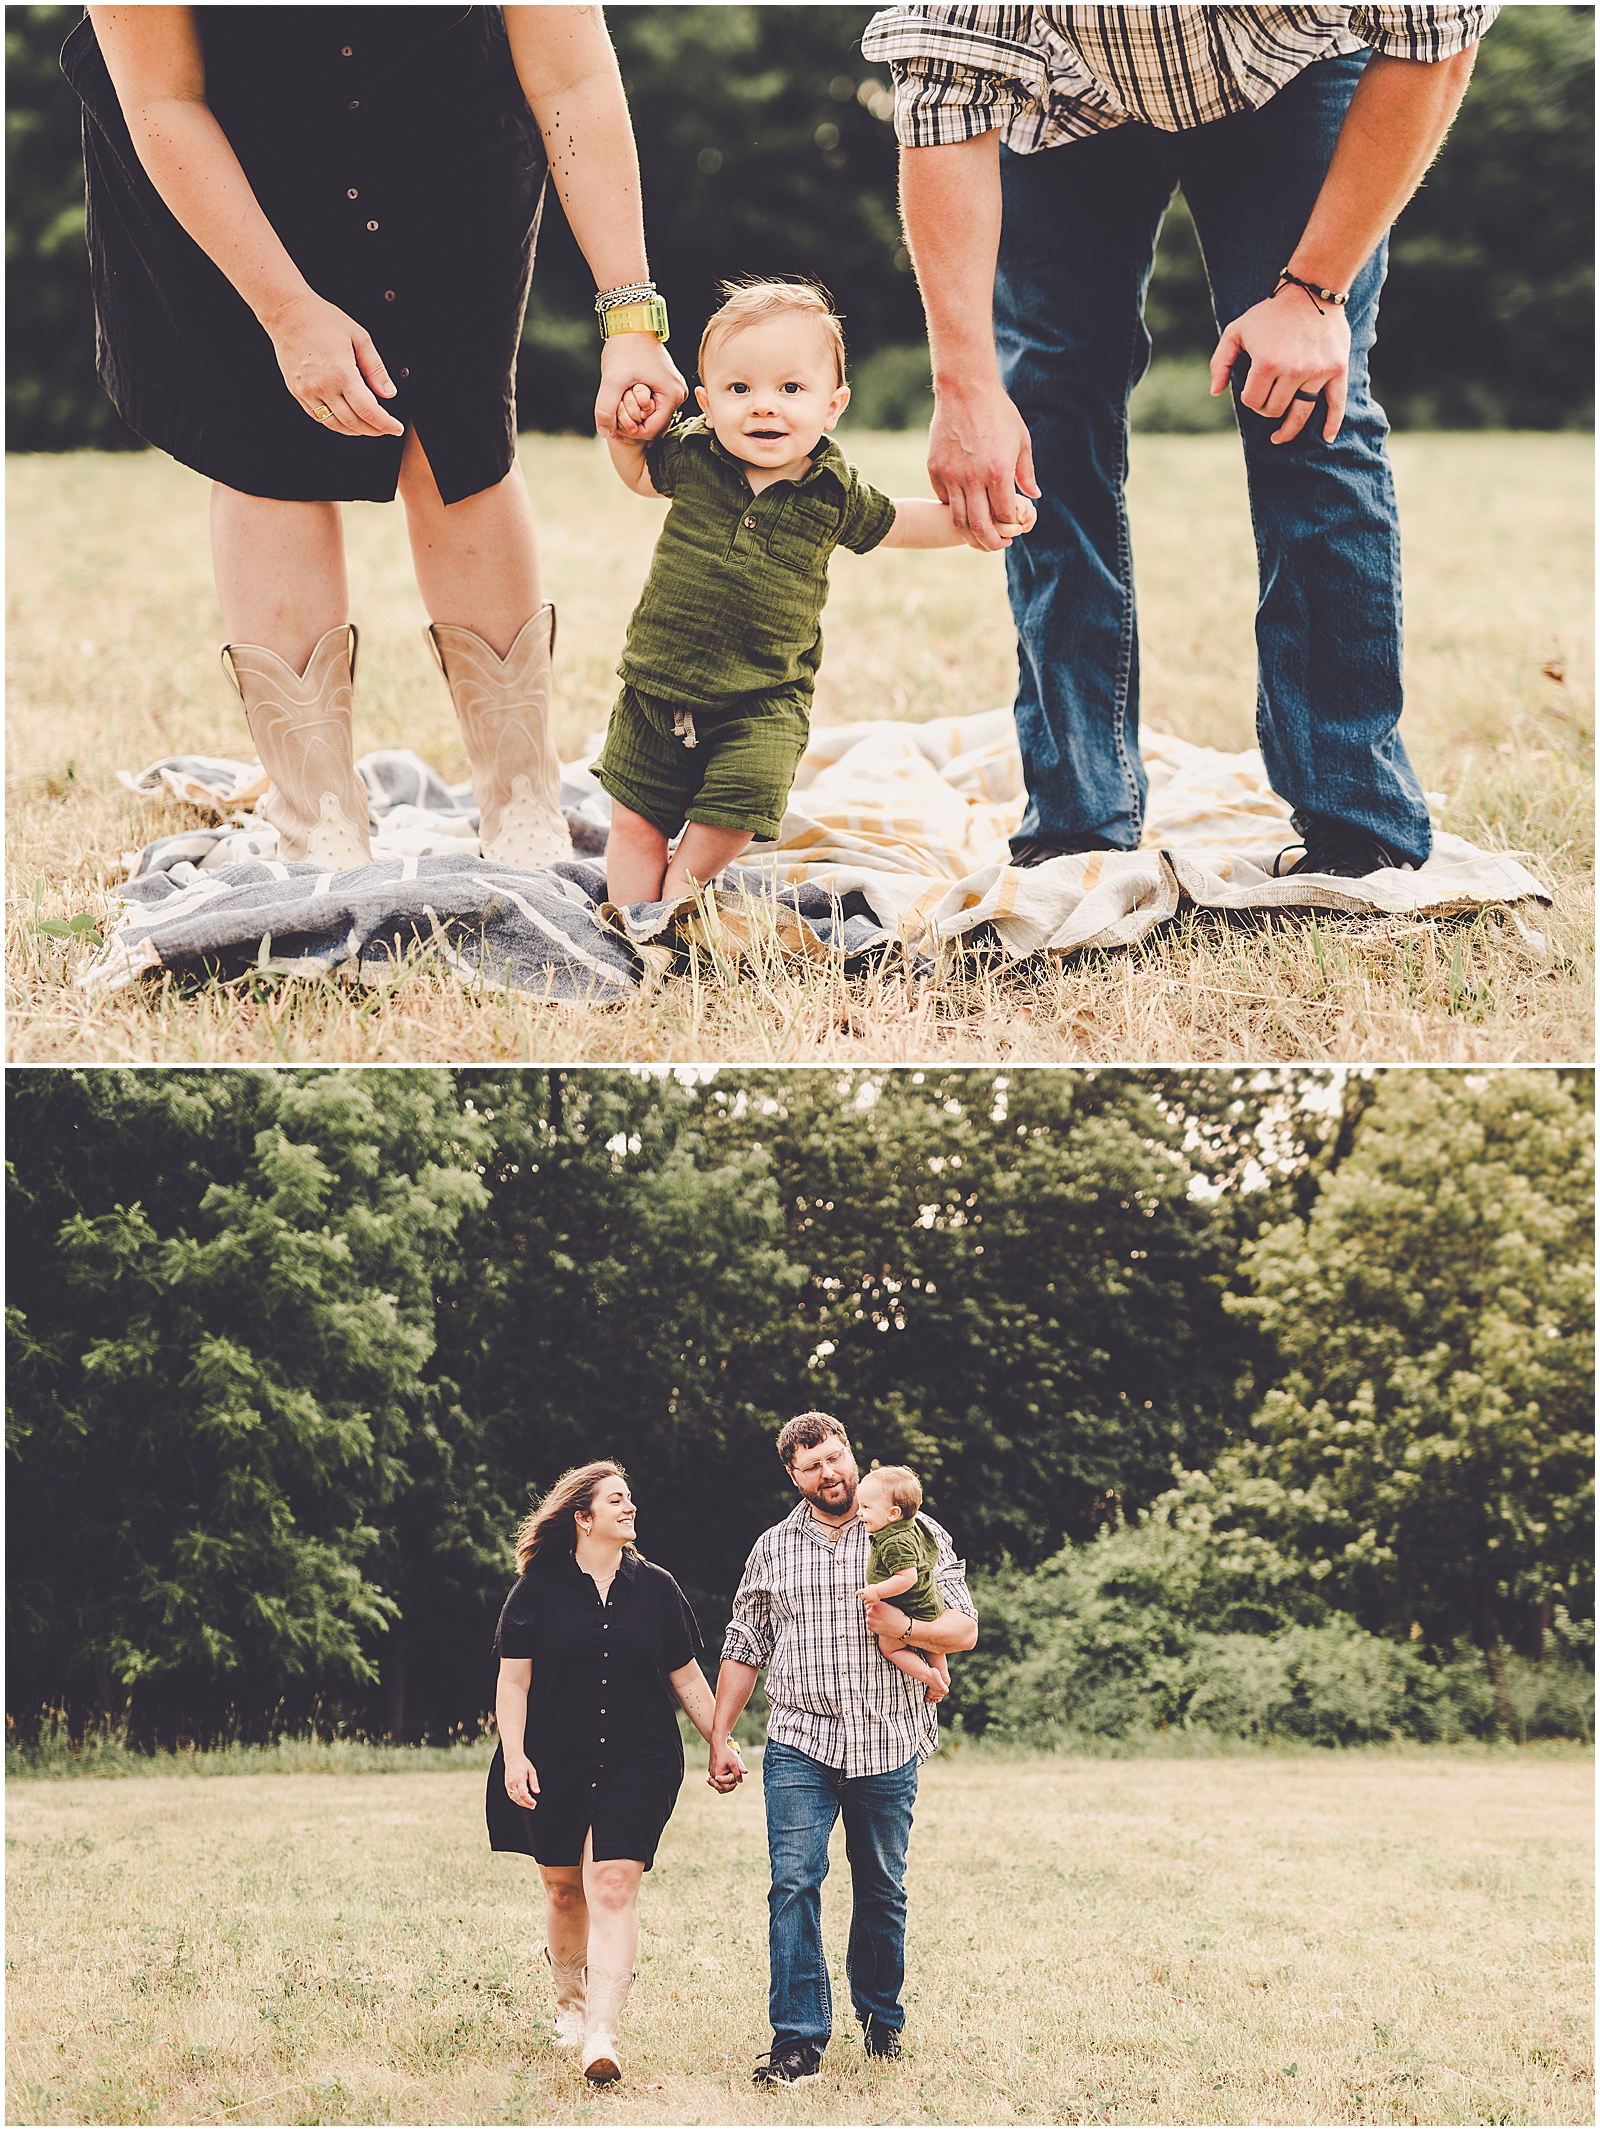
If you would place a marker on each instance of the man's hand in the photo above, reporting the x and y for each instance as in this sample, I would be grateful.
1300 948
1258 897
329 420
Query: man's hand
979 455
1294 355
884 1619
725 1769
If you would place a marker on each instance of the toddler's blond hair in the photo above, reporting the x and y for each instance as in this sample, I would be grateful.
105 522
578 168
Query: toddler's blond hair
743 302
905 1489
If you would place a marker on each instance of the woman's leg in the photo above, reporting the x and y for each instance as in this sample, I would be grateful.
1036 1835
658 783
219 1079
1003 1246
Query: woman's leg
611 1890
477 561
280 572
286 607
566 1914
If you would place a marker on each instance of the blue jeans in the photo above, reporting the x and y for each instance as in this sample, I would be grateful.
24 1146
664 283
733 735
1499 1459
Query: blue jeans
1079 235
804 1798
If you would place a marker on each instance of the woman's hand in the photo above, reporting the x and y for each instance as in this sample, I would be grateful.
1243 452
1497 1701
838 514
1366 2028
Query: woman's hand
522 1781
636 364
725 1767
329 362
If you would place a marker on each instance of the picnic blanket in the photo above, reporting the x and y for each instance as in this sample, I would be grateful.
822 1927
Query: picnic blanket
895 840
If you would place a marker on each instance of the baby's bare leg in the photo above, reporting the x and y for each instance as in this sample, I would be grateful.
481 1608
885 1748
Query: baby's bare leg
701 856
915 1667
636 858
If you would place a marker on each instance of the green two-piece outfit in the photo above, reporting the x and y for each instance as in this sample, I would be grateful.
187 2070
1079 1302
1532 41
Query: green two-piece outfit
728 630
908 1544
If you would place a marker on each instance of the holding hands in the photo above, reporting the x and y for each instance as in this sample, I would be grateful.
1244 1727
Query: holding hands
641 388
725 1769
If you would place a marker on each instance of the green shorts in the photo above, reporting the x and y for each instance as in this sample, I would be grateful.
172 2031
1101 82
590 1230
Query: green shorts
738 776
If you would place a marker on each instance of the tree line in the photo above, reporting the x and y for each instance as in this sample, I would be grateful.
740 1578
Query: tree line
767 146
289 1353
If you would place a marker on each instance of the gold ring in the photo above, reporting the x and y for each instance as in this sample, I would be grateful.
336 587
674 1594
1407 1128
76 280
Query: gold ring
322 414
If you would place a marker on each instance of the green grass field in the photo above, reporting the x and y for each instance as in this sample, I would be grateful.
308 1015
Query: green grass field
111 643
1285 1938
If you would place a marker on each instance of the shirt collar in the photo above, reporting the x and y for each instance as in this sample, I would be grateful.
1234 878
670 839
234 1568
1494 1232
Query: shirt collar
629 1566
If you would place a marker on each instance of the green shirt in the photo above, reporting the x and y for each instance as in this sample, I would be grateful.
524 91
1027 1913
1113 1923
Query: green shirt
909 1545
736 588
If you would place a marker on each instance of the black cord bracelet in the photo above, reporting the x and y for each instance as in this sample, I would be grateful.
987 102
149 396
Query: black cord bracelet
1286 280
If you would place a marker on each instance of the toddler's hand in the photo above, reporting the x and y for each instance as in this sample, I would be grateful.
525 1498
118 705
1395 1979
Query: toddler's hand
635 408
865 1596
1022 520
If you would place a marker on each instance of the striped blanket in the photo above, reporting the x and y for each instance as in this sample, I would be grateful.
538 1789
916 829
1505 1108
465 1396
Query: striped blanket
895 838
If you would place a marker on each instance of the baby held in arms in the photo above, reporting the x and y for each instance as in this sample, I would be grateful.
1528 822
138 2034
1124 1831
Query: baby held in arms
904 1556
724 645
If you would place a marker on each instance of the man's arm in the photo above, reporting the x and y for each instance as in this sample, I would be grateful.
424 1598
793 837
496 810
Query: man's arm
979 450
951 1631
1396 122
735 1685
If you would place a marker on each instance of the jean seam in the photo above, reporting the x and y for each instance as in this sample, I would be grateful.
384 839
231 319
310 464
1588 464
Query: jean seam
1125 577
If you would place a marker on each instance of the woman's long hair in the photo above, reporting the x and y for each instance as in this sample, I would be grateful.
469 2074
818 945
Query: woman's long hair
548 1531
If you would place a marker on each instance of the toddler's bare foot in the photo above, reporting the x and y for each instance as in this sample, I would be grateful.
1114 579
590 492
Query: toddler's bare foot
936 1692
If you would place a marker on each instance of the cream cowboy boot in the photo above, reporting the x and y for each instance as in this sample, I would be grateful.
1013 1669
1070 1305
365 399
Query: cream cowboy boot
607 1993
568 1979
300 724
504 708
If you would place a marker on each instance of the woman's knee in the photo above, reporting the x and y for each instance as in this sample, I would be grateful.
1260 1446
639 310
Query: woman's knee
612 1888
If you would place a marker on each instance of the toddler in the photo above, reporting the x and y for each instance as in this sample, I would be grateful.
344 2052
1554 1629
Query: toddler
904 1555
724 645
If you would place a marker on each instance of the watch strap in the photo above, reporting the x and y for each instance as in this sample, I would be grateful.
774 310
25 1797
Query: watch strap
647 315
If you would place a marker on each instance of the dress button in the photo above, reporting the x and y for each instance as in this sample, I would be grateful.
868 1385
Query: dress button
352 194
750 524
388 295
354 104
372 225
402 375
347 51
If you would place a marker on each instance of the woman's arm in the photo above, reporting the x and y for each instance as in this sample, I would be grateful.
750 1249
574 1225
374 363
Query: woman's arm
568 73
157 68
691 1687
511 1718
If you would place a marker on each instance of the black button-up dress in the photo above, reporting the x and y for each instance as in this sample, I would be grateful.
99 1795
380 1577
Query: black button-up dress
602 1730
394 153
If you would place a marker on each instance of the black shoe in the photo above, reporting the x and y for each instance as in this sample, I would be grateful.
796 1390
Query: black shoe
880 2041
1038 850
783 2067
1335 847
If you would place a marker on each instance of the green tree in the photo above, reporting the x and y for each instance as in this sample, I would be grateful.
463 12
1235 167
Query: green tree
1433 1428
214 1383
1011 1285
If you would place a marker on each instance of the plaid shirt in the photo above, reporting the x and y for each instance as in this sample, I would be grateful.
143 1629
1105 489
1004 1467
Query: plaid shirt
834 1694
1044 75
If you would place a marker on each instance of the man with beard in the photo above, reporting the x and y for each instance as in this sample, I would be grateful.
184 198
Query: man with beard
845 1735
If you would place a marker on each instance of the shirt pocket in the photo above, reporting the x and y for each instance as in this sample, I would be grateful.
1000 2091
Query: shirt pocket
803 534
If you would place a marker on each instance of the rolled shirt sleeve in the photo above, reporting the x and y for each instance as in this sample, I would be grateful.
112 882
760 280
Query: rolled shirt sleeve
950 1575
1425 33
750 1634
958 71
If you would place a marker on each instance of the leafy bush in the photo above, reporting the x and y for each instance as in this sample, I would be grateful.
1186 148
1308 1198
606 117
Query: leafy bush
1175 1624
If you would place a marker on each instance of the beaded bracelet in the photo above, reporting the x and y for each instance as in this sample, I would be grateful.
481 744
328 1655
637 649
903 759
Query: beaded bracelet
634 292
1286 280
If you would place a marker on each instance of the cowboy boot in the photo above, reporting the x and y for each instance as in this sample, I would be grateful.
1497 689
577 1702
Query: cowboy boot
300 724
568 1979
504 708
605 1996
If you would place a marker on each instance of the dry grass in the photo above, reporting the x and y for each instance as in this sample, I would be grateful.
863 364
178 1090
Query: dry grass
112 628
1373 1937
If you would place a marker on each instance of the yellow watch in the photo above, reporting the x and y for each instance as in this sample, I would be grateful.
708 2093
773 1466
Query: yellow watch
647 315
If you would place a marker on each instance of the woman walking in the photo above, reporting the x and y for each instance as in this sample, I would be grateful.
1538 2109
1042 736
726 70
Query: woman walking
311 232
590 1761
